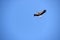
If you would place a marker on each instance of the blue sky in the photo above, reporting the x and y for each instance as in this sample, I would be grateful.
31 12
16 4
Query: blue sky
18 22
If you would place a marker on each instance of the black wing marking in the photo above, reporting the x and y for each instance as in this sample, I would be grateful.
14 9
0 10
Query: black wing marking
43 12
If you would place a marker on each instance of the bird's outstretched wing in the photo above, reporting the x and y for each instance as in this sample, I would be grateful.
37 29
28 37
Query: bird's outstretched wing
40 13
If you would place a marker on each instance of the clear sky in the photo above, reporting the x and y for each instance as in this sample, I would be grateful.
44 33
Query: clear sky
18 22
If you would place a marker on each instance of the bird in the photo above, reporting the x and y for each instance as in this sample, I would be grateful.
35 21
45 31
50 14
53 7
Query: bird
40 13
